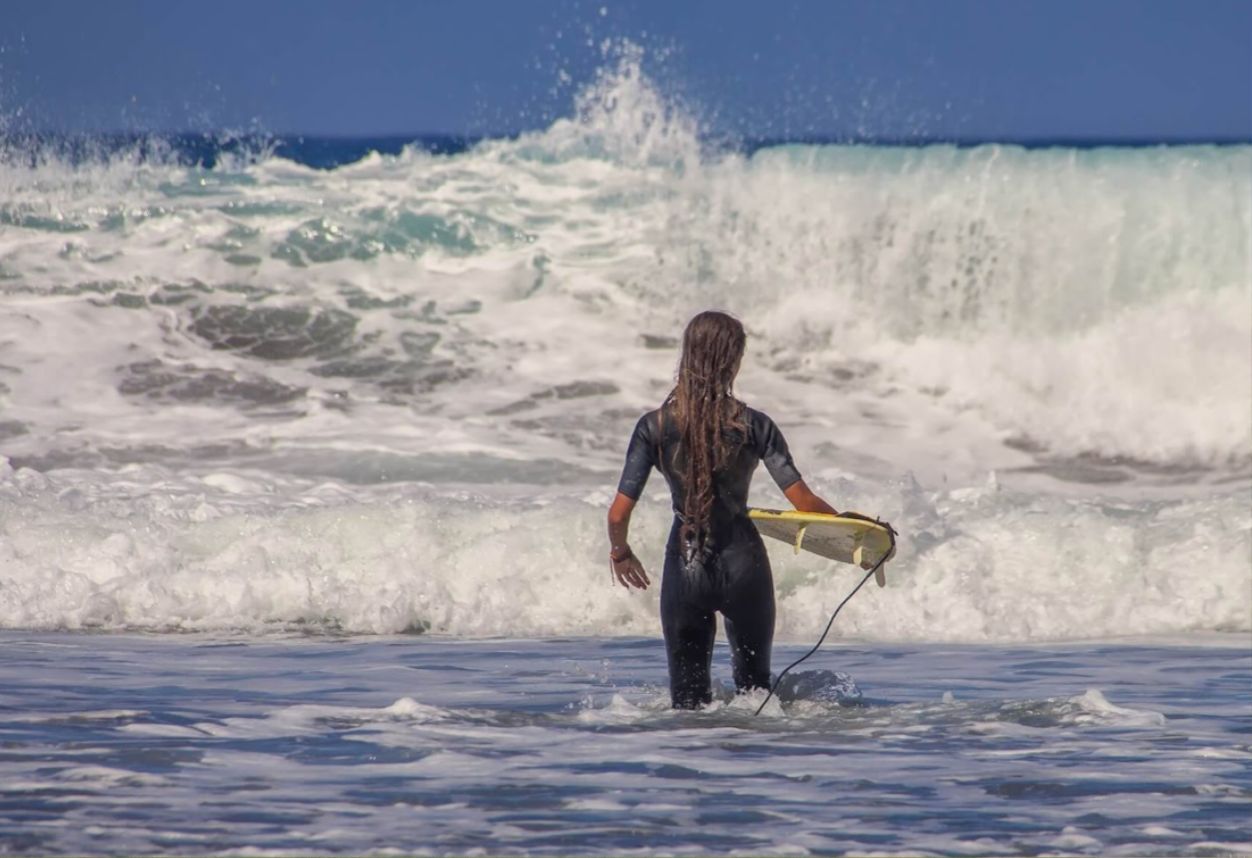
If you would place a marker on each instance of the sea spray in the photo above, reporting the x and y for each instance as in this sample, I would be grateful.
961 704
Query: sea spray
394 395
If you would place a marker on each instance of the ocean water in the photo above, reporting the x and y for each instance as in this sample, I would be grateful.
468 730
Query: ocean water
200 744
305 465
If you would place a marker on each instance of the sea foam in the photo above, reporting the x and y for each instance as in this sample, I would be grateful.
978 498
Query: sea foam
394 395
986 565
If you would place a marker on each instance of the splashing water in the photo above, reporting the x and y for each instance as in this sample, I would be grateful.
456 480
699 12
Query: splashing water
223 391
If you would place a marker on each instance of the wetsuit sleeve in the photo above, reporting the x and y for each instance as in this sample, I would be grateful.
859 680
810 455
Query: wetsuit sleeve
771 446
640 457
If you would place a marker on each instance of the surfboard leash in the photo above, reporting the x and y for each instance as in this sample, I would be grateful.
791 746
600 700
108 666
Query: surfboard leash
891 534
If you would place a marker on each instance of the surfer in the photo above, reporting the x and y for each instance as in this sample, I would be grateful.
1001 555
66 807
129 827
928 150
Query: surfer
706 443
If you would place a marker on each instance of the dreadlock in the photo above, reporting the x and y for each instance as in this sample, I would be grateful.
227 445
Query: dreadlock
710 420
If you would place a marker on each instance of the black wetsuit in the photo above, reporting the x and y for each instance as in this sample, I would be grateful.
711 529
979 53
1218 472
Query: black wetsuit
732 575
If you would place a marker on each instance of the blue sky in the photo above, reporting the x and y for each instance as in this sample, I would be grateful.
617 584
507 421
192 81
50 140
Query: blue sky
887 69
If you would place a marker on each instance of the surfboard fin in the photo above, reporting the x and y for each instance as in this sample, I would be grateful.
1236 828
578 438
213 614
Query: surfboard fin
800 537
880 576
858 557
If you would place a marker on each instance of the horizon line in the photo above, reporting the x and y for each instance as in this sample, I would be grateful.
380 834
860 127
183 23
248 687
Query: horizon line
729 139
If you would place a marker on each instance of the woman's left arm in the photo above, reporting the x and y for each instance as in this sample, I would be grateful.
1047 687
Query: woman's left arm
626 566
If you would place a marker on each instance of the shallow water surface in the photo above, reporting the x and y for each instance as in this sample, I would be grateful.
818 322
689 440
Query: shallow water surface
194 744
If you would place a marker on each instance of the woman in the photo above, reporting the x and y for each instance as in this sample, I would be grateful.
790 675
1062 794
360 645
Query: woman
707 444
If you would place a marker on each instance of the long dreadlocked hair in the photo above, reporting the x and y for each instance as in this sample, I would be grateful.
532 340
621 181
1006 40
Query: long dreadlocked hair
709 417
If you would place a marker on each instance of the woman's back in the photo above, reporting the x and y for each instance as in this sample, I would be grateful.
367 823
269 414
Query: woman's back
707 444
658 442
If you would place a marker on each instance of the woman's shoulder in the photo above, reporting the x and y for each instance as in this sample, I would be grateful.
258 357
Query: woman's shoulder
760 425
650 422
658 424
754 416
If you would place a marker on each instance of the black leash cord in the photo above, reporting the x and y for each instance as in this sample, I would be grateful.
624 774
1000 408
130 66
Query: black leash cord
818 645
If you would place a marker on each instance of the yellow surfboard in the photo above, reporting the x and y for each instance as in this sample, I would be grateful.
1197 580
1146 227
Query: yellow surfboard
848 540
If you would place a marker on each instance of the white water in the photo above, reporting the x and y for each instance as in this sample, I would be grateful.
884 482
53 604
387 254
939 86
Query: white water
394 395
222 552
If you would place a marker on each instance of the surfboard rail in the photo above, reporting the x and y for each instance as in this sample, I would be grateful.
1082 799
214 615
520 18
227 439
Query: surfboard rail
845 538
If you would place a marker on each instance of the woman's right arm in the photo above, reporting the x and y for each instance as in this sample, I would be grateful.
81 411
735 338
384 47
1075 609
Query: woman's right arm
803 499
772 448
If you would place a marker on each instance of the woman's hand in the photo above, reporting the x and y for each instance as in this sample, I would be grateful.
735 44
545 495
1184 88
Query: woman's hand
626 567
629 572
